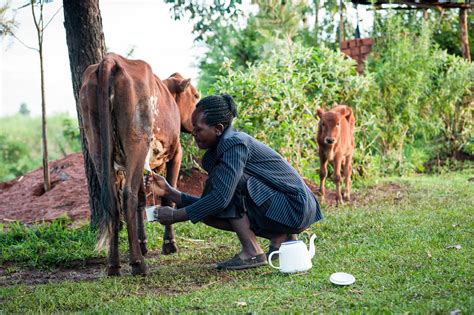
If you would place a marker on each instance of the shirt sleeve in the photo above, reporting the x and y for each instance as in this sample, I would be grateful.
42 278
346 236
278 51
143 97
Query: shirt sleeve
224 178
187 199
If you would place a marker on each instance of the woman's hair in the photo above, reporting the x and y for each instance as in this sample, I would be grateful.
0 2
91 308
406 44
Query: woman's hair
218 109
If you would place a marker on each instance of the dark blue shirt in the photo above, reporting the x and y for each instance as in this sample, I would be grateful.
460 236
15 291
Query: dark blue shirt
270 176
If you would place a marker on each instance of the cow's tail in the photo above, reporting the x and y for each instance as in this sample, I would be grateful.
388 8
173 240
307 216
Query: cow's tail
110 220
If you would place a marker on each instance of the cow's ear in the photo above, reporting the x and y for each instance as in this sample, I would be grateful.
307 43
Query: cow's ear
348 112
184 84
320 112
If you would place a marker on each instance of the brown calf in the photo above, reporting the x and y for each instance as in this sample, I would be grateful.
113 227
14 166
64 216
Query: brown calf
130 118
336 145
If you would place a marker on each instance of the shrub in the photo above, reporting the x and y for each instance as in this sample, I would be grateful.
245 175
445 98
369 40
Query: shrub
278 98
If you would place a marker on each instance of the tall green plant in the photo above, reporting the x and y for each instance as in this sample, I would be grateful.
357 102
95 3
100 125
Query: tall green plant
453 104
401 65
278 98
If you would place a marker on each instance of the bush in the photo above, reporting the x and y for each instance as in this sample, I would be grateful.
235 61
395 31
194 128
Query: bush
278 98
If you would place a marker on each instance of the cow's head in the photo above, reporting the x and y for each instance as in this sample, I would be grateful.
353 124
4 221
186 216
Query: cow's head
329 128
186 96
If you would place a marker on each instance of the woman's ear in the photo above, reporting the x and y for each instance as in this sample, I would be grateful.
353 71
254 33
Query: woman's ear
219 129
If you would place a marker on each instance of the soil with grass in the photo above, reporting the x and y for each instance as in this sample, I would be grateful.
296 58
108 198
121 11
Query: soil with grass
24 200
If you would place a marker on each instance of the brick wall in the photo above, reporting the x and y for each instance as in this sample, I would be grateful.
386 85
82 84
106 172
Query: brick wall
357 49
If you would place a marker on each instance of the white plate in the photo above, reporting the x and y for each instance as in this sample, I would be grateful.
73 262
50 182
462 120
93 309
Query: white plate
342 278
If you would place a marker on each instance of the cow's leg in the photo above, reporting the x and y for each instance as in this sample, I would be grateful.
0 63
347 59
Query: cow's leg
130 202
142 240
172 173
337 179
113 267
323 172
347 178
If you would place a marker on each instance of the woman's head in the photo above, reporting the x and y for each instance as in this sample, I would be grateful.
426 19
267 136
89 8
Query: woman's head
213 114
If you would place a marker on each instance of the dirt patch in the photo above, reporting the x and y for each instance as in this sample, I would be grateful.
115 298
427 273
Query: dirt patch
75 271
24 199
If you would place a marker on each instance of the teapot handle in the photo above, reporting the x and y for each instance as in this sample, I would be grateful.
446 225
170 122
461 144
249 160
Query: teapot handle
270 259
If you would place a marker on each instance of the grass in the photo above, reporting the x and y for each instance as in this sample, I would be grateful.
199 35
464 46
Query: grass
396 242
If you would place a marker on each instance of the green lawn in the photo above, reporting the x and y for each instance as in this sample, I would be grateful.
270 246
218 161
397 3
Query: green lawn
396 240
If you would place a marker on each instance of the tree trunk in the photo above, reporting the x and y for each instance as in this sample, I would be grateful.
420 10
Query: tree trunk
316 21
86 46
341 24
47 181
464 34
40 32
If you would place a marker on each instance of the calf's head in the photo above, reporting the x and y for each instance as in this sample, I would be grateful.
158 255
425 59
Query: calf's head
330 124
185 95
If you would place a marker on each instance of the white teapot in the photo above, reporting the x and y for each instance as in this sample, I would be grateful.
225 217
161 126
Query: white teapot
294 256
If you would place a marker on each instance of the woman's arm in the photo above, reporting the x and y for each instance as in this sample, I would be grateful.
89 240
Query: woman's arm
161 188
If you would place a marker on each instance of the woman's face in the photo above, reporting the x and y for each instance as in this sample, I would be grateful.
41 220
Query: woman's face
206 136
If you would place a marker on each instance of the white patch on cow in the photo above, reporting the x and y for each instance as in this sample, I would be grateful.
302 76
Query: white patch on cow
153 102
158 154
118 167
147 161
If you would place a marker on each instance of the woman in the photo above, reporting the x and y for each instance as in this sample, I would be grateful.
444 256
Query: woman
251 190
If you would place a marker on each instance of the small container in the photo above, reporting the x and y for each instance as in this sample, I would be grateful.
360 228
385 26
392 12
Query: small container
150 213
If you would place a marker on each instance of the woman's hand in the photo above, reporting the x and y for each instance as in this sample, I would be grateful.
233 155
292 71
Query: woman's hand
164 215
158 184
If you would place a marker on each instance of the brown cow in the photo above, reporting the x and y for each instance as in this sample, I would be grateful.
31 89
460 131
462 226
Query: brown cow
336 145
130 118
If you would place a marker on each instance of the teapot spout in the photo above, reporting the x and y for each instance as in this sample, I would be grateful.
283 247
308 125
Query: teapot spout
311 246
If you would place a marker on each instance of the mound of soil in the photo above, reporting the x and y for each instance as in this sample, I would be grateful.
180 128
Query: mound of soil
24 199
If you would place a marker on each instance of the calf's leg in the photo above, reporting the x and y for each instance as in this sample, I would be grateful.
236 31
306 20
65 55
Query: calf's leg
323 172
347 178
337 179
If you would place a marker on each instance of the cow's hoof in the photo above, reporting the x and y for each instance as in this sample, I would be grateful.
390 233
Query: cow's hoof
169 247
143 248
139 269
113 271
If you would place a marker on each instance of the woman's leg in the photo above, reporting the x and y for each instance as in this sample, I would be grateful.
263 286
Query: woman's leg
276 238
248 239
241 226
218 223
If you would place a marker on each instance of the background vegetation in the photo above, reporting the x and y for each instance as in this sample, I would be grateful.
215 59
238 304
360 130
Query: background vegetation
20 142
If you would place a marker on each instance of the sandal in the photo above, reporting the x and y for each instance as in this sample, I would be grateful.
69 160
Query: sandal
237 263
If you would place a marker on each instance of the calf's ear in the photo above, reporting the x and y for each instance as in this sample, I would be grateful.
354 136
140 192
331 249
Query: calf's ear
320 112
348 112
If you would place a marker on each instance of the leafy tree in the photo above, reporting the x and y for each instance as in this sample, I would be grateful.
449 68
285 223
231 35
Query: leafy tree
207 17
40 24
24 110
7 25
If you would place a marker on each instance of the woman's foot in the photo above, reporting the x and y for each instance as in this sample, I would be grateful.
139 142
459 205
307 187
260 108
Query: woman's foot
239 263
